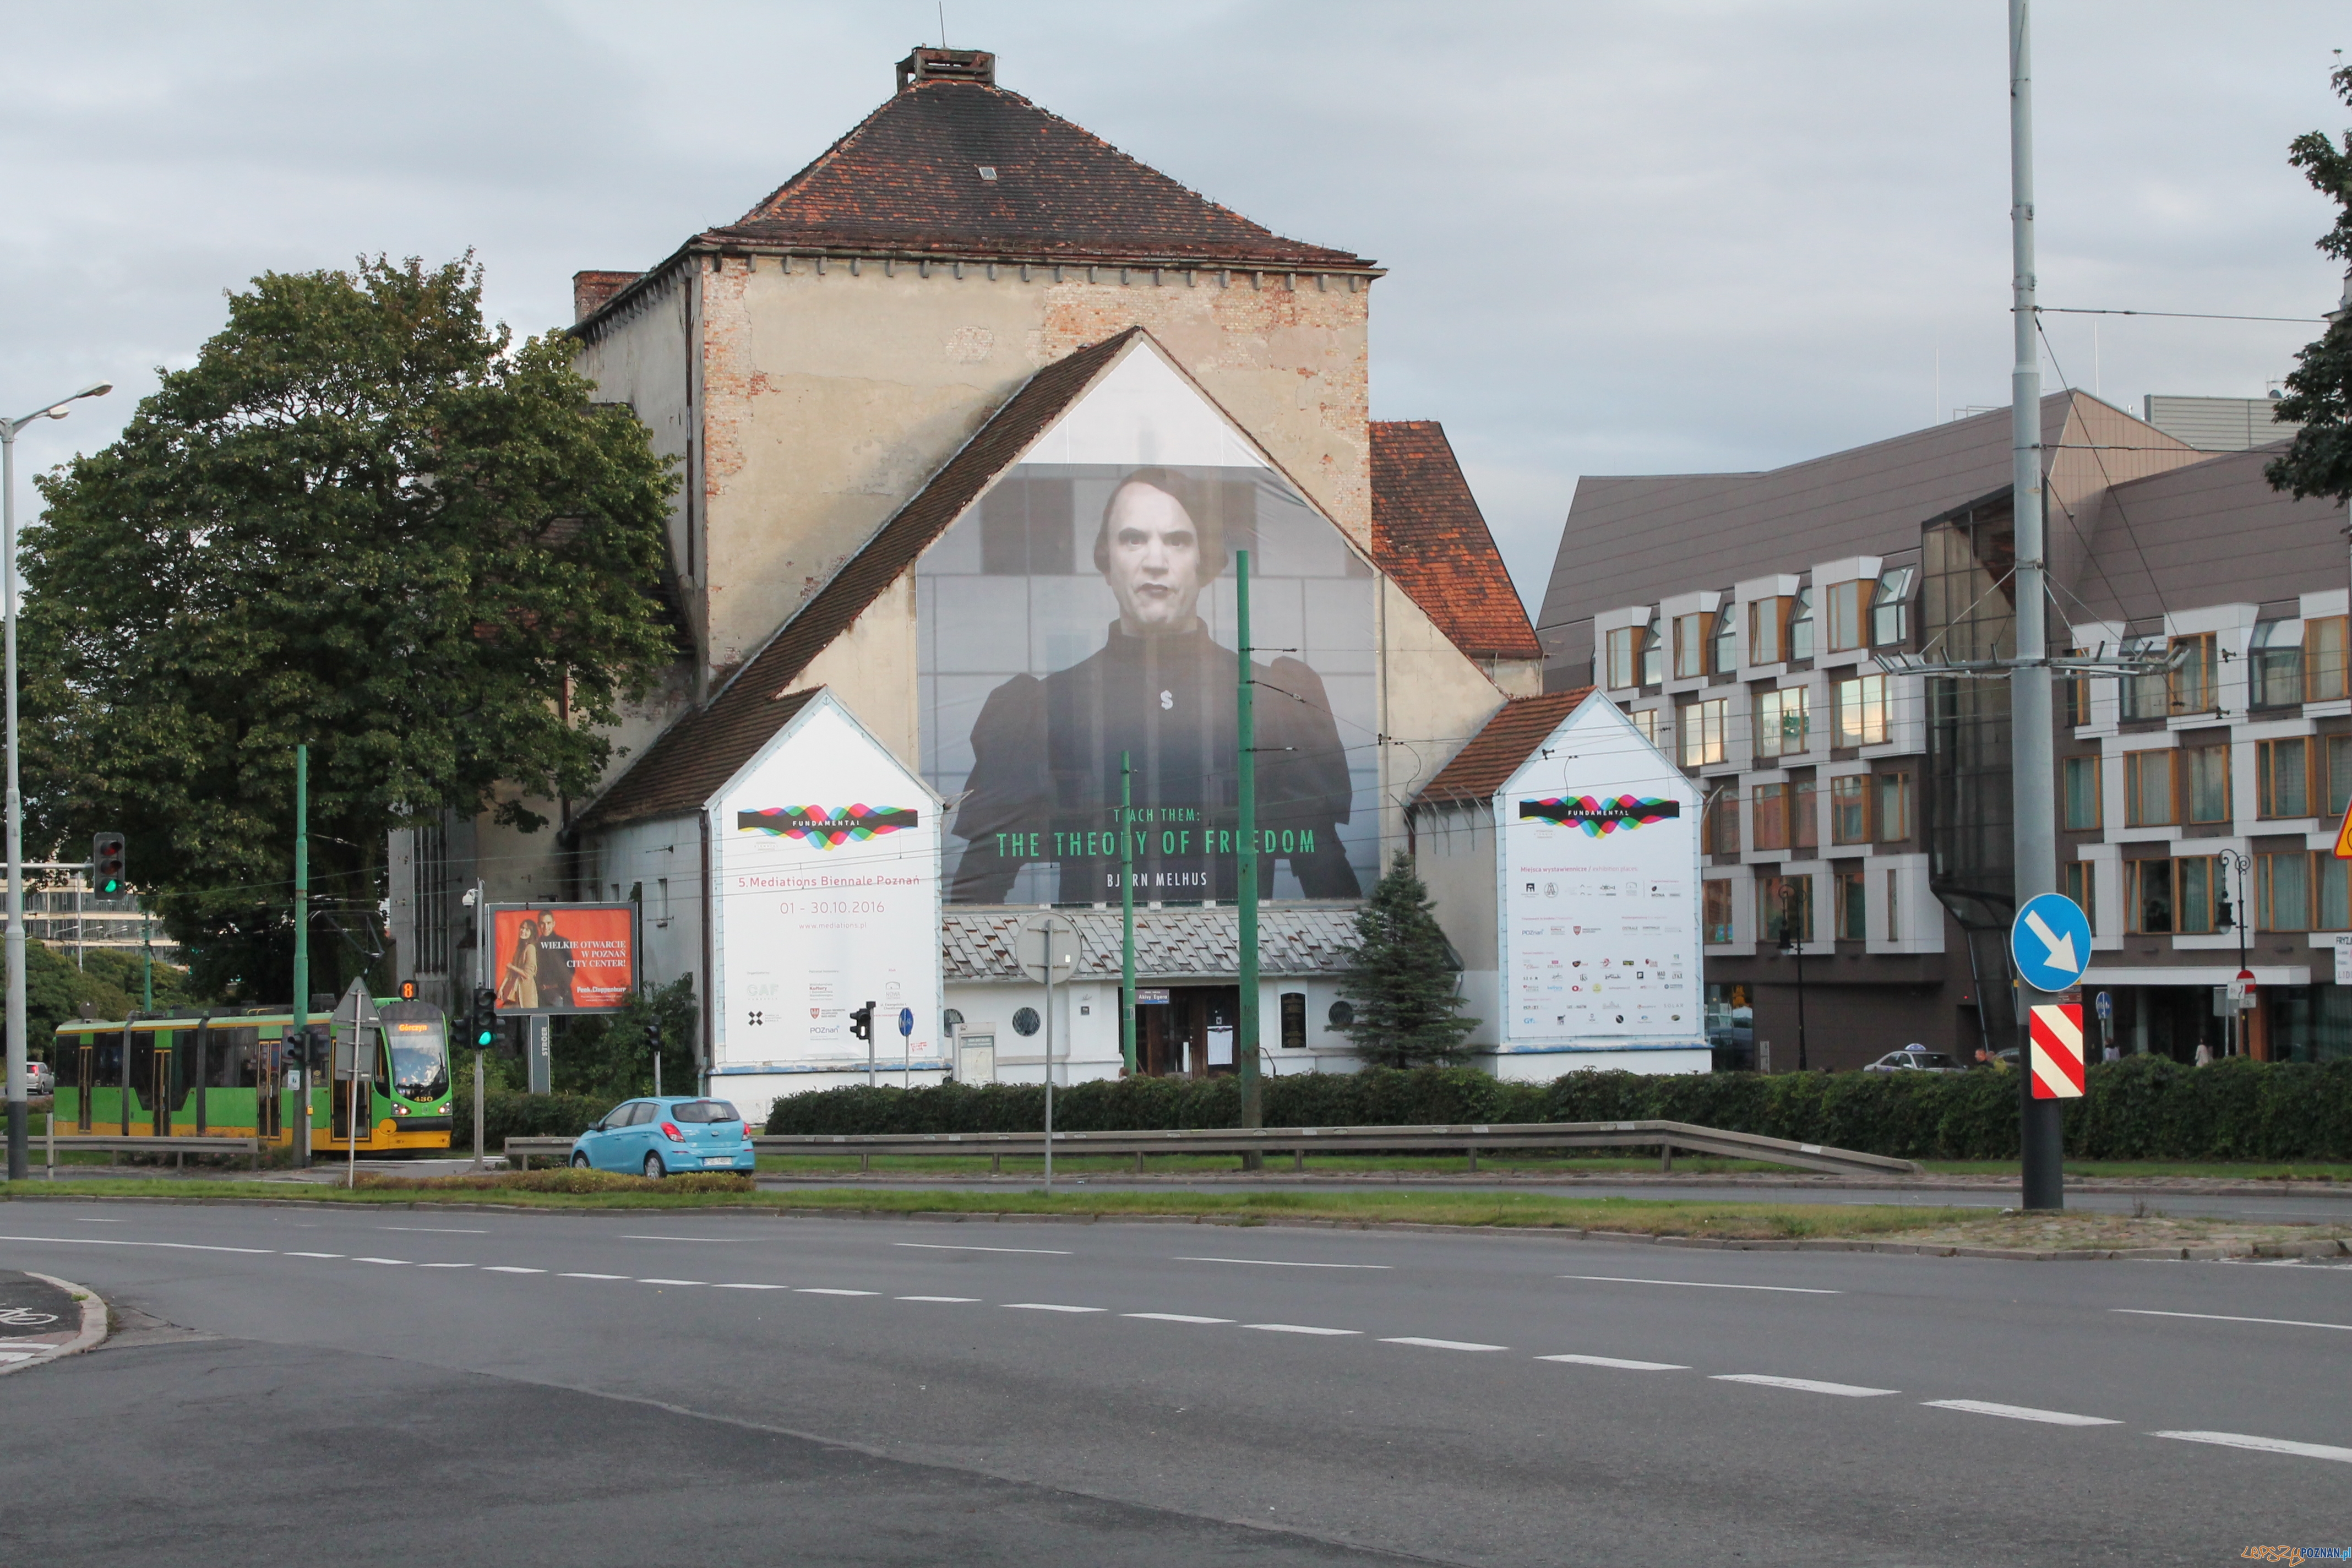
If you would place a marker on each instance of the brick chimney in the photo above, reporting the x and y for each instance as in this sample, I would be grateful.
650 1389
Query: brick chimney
591 290
947 65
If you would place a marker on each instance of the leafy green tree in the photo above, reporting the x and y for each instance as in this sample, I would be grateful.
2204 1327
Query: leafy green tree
1401 977
2319 389
366 520
606 1057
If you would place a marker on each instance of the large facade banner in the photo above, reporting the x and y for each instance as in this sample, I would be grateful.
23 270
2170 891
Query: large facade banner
825 865
1083 613
563 958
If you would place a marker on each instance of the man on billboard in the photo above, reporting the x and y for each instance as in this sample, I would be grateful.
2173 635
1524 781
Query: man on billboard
1045 782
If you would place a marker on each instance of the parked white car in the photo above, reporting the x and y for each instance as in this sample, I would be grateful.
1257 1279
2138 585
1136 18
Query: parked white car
1915 1058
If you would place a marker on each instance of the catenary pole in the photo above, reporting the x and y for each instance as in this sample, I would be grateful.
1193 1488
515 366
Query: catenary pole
1127 911
1245 740
298 1102
2030 749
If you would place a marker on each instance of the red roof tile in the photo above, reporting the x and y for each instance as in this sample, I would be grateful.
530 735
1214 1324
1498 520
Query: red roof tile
689 762
966 169
1495 752
1428 534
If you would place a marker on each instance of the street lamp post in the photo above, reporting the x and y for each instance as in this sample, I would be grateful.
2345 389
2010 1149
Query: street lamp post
2235 914
1792 944
20 1167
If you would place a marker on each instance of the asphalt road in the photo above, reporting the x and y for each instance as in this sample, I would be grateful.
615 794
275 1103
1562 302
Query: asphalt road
382 1387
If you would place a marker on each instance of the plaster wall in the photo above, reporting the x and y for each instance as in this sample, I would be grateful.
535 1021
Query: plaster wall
1432 700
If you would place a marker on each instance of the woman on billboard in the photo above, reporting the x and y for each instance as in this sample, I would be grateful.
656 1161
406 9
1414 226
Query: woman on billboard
519 980
1045 782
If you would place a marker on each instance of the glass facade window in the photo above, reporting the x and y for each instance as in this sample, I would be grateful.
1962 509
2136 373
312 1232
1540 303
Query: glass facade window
1800 626
2194 685
1719 830
1726 637
1768 630
2331 892
2274 671
1853 903
2310 1023
1784 909
2337 759
1771 813
2079 779
2323 658
2147 789
1894 812
1781 721
1860 707
1850 809
2144 696
2078 883
2076 696
1716 911
1690 645
1845 608
2283 779
1621 651
2196 879
2148 885
1890 609
2283 891
2204 773
1804 820
1703 732
1653 654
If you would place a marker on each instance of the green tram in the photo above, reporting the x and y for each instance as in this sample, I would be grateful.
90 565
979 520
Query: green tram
223 1074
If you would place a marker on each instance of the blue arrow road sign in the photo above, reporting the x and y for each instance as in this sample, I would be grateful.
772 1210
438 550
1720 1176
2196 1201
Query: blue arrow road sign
2051 941
2107 1005
906 1020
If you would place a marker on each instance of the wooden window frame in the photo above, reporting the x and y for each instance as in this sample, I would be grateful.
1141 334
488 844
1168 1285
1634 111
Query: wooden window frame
1768 804
1804 814
2266 892
1721 812
2068 768
1715 898
2136 898
1620 658
1690 634
1705 737
2136 764
2206 661
1872 706
2267 776
1886 833
2079 881
2324 666
1767 629
1850 901
2185 794
1770 917
1848 609
1772 721
1859 786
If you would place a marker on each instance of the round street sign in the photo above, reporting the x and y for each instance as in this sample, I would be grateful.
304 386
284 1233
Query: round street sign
2051 941
906 1020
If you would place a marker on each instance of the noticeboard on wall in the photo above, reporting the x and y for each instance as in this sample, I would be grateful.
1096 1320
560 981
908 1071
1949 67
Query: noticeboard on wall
562 958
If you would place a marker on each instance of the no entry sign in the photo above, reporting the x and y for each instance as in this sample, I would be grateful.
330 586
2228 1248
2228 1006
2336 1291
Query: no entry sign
2057 1050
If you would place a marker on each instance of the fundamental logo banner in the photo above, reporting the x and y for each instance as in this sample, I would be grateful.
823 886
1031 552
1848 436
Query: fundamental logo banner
1597 814
827 827
2056 1046
563 958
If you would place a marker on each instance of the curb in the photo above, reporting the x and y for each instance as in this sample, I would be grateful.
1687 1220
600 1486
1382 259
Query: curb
93 1324
2280 1249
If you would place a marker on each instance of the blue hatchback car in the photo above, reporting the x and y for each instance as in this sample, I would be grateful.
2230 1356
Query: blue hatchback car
666 1137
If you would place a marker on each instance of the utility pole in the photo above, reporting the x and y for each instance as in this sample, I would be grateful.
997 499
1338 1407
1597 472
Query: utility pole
2032 774
1246 739
298 1102
1127 909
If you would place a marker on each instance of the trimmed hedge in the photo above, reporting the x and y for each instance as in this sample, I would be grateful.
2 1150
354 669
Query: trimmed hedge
506 1114
2144 1108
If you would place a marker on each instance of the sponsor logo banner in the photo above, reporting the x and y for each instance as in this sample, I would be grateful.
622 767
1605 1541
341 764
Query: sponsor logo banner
1599 814
827 826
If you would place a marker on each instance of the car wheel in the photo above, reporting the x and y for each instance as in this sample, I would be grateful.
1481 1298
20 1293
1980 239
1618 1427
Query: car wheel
579 1162
654 1171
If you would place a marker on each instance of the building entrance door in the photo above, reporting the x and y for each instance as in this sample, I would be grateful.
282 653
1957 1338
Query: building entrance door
1191 1034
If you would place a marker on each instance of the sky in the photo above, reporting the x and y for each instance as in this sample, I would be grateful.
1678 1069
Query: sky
1675 237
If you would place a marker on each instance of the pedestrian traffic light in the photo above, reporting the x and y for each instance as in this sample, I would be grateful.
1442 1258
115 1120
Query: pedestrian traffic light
485 1021
105 863
861 1022
654 1035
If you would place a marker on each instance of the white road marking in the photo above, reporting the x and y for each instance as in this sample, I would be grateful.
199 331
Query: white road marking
2226 1317
313 1254
685 1238
1174 1317
1298 1328
18 1355
173 1245
1282 1263
1046 1307
444 1266
1442 1344
1803 1385
950 1246
508 1269
751 1287
1703 1284
79 1219
592 1277
1619 1365
825 1291
2020 1412
673 1281
434 1229
401 1261
962 1301
2263 1444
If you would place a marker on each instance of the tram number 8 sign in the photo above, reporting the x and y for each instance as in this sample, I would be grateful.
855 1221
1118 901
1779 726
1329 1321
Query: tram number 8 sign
2056 1041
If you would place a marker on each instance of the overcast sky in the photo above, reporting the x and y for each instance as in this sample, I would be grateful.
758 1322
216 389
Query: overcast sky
1657 237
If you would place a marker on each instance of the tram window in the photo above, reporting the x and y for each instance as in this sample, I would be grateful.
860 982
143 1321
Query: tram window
231 1053
106 1063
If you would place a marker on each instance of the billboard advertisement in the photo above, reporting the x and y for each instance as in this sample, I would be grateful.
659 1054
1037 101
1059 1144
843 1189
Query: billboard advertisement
563 958
825 862
1085 611
1600 872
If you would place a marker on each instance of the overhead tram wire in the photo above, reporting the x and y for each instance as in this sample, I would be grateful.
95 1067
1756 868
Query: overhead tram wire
2175 315
2155 589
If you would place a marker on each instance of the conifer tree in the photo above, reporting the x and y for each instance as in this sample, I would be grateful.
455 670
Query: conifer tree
1401 977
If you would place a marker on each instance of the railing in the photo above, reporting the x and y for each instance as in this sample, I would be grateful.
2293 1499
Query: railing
183 1147
1666 1137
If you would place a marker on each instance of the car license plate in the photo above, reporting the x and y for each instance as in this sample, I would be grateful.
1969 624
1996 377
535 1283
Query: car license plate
718 1159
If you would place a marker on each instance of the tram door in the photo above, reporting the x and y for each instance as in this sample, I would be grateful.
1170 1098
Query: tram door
86 1076
268 1104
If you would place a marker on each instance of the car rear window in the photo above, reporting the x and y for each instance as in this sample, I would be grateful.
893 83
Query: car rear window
706 1111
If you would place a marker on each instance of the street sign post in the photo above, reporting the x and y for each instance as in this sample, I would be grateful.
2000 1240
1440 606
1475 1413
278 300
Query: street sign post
1048 952
905 1047
355 1015
2055 1043
2051 940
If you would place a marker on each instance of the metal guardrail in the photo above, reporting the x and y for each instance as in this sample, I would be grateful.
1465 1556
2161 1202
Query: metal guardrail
183 1147
1666 1137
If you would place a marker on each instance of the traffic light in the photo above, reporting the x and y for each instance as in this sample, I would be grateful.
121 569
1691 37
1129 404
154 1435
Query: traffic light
861 1022
484 1022
105 863
654 1035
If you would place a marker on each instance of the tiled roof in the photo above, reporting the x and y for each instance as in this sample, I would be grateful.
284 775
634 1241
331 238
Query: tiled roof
1495 753
1170 944
1428 534
968 169
689 762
